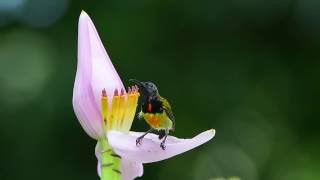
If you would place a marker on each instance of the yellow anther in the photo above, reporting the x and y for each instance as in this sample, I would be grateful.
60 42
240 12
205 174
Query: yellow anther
113 117
131 106
122 110
104 106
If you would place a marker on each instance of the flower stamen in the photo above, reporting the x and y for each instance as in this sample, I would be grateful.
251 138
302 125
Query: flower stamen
104 107
120 114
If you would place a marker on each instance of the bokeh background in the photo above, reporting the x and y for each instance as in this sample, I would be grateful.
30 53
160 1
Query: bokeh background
248 68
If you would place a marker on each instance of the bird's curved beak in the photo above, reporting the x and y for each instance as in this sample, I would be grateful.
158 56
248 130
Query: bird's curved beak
138 83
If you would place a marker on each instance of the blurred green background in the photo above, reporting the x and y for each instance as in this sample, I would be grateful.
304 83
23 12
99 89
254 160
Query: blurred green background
248 68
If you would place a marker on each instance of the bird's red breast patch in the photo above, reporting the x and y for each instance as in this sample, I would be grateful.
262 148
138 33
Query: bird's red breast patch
149 108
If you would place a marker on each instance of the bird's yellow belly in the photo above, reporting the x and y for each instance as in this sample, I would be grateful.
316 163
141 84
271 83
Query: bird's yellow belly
158 121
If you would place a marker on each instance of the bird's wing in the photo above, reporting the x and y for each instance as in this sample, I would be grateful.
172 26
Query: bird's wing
168 110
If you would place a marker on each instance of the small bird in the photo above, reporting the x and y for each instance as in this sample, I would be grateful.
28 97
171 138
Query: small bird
155 110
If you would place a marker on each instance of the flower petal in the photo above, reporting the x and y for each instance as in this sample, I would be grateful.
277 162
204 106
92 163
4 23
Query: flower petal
130 169
95 72
124 144
91 49
97 151
99 168
85 107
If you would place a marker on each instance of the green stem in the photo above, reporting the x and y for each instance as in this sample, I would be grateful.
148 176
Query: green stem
110 162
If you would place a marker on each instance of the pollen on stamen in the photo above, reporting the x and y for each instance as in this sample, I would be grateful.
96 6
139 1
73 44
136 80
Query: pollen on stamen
122 92
116 93
104 92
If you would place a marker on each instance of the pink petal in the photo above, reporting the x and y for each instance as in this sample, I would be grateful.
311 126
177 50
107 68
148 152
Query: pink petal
124 145
91 49
94 73
129 169
98 151
85 107
99 168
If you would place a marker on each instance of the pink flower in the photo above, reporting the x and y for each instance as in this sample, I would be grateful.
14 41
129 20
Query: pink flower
106 111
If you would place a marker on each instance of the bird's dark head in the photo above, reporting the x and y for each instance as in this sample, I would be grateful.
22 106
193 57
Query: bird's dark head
146 89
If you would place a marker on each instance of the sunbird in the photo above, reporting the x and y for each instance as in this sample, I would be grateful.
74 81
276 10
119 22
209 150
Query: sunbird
155 110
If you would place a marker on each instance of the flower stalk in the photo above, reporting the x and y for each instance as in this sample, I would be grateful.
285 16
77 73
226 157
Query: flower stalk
110 162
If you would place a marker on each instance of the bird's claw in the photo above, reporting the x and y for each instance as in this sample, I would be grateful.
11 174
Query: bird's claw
163 146
139 141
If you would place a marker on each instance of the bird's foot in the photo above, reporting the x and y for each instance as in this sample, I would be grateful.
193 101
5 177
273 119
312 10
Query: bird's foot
162 134
139 141
162 145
